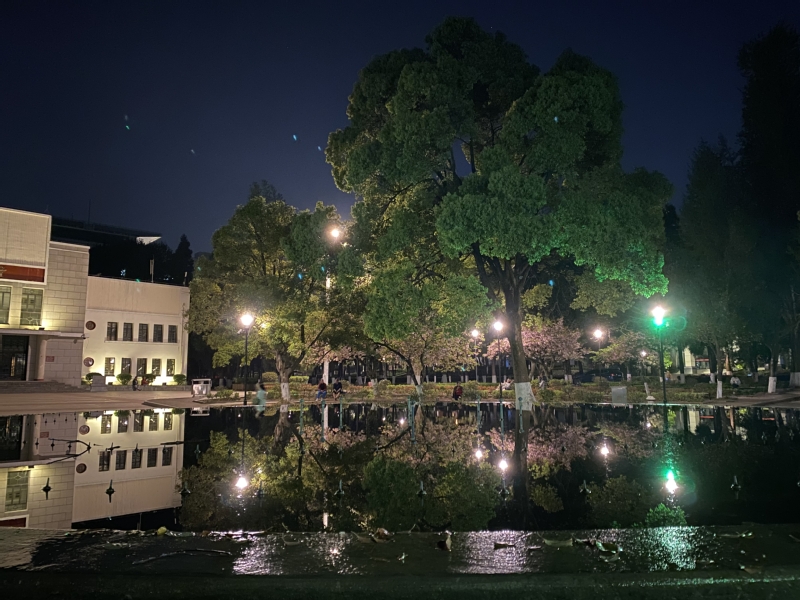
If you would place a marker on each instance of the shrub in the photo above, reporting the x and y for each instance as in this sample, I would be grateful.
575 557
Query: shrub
88 377
122 413
178 411
124 378
471 391
619 500
269 377
664 516
298 379
223 393
381 389
179 379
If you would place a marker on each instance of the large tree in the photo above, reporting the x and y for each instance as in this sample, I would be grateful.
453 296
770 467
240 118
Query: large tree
770 153
465 151
273 262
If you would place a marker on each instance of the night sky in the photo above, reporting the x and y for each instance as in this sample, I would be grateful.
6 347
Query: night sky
215 91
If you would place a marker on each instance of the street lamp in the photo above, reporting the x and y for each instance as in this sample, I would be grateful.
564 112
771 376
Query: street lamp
335 233
598 333
242 482
247 320
498 326
658 320
475 335
671 485
479 454
503 465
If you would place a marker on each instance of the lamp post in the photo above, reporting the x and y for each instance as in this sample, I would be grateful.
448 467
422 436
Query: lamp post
498 327
326 365
247 320
658 320
475 335
643 354
598 336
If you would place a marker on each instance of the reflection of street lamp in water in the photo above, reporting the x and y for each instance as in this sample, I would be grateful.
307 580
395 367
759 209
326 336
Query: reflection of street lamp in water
475 335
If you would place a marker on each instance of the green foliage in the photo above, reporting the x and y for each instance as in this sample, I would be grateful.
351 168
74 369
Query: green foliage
391 487
298 379
465 497
179 379
223 393
88 377
269 377
664 516
546 496
619 500
122 413
178 411
124 378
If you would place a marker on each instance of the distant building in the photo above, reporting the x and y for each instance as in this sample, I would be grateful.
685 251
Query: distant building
135 328
42 300
96 234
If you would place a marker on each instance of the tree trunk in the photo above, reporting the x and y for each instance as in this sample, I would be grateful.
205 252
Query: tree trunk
283 427
524 398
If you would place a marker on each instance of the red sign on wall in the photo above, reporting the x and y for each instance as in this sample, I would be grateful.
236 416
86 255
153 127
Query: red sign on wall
21 273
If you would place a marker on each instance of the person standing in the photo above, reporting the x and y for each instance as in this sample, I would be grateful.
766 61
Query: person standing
458 391
261 400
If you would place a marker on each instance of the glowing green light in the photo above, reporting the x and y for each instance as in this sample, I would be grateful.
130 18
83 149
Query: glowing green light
128 127
658 316
670 476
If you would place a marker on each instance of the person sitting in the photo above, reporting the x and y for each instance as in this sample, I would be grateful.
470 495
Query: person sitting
507 384
135 383
322 390
337 389
735 382
458 391
261 400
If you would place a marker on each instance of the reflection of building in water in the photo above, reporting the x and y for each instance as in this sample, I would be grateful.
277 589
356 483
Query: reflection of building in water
137 453
135 328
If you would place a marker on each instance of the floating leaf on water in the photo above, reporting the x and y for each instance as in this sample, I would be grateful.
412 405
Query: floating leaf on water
364 539
533 548
608 547
501 545
161 531
795 537
609 557
382 534
558 543
291 541
402 558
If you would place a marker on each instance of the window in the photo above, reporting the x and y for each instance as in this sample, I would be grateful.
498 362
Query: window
154 422
126 366
105 424
138 421
122 424
158 333
168 422
122 460
5 303
143 333
141 366
31 311
105 460
109 371
127 332
136 459
17 490
170 367
111 332
172 334
166 456
155 369
152 457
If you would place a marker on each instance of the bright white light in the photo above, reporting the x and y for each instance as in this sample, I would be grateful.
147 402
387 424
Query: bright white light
671 486
643 353
335 232
604 450
658 315
479 453
402 421
247 319
264 325
503 465
649 425
475 333
498 326
241 483
598 333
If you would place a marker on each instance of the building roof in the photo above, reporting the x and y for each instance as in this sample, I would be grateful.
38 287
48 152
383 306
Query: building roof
96 234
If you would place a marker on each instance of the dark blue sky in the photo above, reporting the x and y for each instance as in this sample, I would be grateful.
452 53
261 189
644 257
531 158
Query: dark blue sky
234 81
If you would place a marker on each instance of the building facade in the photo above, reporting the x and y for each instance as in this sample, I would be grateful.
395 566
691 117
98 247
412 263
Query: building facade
135 328
42 301
139 454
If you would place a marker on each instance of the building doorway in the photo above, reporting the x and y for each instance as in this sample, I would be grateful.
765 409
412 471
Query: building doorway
13 357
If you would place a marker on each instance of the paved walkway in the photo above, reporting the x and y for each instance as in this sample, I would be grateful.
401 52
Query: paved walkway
29 403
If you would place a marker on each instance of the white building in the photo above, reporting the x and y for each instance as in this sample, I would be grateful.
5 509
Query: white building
42 301
135 328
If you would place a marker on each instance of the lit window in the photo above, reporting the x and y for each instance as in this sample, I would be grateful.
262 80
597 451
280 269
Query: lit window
122 424
17 490
168 422
126 366
154 422
105 424
111 332
138 421
109 370
170 367
5 303
156 367
105 460
141 367
31 308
